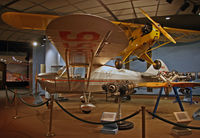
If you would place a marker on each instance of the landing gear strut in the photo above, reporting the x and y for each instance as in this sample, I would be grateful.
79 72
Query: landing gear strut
157 64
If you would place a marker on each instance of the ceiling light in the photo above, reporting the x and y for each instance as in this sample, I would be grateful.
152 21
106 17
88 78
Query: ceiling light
13 58
169 1
185 6
167 18
35 43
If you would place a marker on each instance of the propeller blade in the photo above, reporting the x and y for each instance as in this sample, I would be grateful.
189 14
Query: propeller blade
158 26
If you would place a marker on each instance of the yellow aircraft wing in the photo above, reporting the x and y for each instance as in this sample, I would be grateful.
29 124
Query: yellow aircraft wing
181 35
168 84
153 84
185 84
27 20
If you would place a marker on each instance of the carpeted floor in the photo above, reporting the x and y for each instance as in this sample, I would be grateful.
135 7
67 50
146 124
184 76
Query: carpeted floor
33 122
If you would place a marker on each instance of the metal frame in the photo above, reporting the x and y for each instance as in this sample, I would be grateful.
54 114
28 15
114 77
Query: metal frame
67 67
50 133
88 77
177 98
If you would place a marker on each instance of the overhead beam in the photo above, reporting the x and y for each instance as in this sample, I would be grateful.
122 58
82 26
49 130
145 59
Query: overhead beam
133 9
108 10
8 4
157 8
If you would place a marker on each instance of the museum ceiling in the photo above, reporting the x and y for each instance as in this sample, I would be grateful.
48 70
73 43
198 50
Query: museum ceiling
111 9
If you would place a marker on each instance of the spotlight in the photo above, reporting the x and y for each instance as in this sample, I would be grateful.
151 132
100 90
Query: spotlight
169 1
185 6
35 43
195 9
167 18
13 58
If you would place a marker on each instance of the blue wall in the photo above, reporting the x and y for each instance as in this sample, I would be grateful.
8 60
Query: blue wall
38 58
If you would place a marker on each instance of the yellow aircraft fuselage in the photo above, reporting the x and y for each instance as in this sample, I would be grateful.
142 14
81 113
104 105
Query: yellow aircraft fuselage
139 44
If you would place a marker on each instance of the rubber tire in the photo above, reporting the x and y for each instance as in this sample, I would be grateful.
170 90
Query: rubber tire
86 112
118 63
158 64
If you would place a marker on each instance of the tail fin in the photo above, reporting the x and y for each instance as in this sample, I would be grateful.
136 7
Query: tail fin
153 71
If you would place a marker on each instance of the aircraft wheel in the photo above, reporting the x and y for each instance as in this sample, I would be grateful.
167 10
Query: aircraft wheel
87 108
158 64
118 63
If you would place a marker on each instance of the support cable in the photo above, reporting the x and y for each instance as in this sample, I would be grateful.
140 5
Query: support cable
32 105
19 93
170 122
96 123
10 101
23 101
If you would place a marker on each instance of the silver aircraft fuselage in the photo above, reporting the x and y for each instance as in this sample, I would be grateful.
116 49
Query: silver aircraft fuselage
59 83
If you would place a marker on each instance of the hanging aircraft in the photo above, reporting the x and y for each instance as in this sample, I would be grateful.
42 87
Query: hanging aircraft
139 38
89 41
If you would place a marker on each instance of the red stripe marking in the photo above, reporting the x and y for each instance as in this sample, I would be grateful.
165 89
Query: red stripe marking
81 80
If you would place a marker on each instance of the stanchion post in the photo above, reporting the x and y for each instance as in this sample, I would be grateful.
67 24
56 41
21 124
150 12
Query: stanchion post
143 121
6 102
16 105
50 133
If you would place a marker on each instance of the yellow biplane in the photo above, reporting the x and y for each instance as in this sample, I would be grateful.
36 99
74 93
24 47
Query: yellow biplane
89 41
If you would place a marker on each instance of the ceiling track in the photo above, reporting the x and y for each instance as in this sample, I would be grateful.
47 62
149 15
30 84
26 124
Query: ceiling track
108 10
